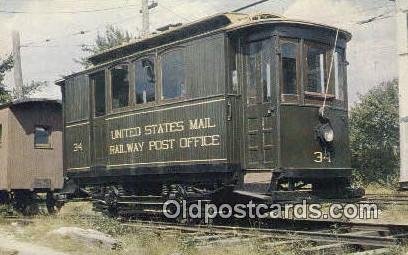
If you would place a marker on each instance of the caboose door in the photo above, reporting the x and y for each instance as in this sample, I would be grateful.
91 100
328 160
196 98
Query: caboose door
260 106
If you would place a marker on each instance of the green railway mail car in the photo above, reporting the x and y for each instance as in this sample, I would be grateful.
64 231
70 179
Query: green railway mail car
254 101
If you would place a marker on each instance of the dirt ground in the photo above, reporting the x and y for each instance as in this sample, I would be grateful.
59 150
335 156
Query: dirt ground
33 236
10 246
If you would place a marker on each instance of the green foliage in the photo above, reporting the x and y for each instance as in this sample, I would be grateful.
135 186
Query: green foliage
32 87
5 95
112 37
374 135
5 66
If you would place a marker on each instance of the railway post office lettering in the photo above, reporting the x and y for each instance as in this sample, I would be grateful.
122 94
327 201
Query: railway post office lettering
142 132
126 148
162 145
200 141
201 124
126 133
163 128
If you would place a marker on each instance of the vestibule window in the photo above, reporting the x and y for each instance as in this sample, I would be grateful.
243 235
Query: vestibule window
120 86
173 74
339 75
145 81
98 83
289 68
315 69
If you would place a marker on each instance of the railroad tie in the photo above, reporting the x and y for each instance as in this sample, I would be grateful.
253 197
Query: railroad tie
331 248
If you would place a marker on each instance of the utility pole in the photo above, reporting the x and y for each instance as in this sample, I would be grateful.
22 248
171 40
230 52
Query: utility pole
402 37
146 22
18 74
146 19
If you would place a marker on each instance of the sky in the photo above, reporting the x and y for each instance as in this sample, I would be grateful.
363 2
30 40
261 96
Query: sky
52 31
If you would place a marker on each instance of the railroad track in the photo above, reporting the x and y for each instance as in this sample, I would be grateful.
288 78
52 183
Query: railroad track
393 199
326 237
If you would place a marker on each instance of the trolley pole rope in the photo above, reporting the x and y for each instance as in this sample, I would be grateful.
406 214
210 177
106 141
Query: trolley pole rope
330 71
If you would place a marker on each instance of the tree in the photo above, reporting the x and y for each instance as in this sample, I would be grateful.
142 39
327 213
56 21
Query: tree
28 89
113 37
374 134
5 66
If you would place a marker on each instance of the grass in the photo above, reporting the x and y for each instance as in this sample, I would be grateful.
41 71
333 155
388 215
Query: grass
133 241
380 189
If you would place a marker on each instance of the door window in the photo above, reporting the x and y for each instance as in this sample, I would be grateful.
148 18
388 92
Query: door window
259 82
289 68
98 83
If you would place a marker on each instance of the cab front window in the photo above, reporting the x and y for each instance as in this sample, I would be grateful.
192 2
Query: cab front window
339 66
316 69
319 61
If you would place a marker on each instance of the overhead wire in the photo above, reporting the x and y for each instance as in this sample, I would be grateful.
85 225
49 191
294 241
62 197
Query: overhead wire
90 30
69 12
175 13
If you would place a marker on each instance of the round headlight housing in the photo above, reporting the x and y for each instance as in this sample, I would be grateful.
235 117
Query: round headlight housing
327 133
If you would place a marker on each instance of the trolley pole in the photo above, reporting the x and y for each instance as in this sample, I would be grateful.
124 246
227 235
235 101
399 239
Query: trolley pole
146 22
146 16
17 71
402 37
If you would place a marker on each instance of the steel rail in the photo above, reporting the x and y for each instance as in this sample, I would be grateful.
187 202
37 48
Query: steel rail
279 233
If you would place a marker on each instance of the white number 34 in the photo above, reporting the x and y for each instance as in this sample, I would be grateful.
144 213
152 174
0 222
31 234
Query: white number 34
78 147
321 157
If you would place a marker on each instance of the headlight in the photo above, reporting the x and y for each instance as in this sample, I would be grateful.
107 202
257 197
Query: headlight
327 133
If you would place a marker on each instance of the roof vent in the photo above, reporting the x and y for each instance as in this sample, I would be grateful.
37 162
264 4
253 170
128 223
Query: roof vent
261 16
169 27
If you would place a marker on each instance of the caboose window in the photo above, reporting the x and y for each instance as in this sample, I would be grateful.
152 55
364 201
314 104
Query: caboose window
98 83
289 70
173 75
120 86
145 81
41 137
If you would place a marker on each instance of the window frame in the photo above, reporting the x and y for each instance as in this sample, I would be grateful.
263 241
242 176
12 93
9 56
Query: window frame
1 134
159 64
261 94
92 89
343 63
291 98
157 81
131 98
48 129
311 94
